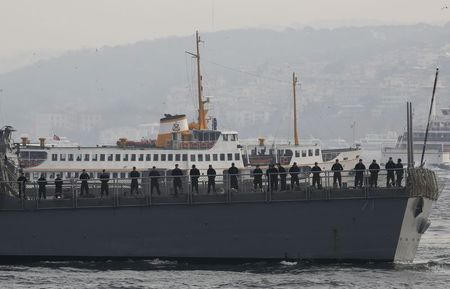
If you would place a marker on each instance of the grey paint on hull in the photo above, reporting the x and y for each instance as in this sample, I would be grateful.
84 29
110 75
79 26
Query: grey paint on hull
333 229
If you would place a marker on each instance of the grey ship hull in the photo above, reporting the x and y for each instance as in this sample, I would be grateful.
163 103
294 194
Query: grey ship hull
379 228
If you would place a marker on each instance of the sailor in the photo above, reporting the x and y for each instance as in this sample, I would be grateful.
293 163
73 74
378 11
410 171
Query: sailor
154 183
390 168
359 173
233 172
272 176
104 179
282 173
195 174
22 181
337 169
374 169
42 183
257 178
134 175
399 172
58 187
211 179
294 171
176 174
316 175
84 177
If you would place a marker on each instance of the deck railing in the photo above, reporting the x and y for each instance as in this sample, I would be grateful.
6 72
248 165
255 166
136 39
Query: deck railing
228 189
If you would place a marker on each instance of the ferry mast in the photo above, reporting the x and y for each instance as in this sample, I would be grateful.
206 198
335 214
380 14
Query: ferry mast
294 84
201 102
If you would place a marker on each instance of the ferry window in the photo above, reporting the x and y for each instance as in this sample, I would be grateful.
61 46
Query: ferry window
141 157
62 157
148 157
117 157
70 157
163 157
225 137
110 157
125 157
68 175
317 152
297 154
102 157
230 157
122 175
54 157
185 157
237 157
91 175
192 158
114 175
79 157
86 157
170 157
222 157
155 157
94 157
35 175
133 157
303 153
177 157
310 152
77 175
207 157
233 137
200 158
214 157
52 175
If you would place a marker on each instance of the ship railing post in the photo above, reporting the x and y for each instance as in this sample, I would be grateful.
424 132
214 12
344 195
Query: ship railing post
74 196
36 195
189 191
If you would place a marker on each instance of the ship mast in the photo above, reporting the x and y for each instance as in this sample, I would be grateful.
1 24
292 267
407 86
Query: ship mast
294 84
201 103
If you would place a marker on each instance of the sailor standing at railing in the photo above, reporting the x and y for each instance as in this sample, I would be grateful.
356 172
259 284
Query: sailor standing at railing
257 178
58 186
390 168
84 177
195 174
22 181
233 172
134 175
399 172
282 173
337 169
272 176
359 173
374 169
316 175
104 179
211 179
176 174
154 183
42 184
294 171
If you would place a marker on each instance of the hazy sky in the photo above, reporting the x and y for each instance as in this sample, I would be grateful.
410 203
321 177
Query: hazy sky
45 25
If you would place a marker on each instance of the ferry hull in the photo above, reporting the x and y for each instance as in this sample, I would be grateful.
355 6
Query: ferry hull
379 229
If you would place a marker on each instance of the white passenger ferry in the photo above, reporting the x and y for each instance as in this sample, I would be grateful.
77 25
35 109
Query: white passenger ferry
178 142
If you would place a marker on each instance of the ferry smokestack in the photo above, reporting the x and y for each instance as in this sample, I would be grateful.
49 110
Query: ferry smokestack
261 142
24 140
42 142
170 125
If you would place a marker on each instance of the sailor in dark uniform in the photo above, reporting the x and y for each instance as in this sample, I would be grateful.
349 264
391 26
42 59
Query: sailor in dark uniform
154 183
22 181
104 179
282 173
176 174
195 174
359 173
294 171
399 172
390 168
211 179
58 187
337 169
233 172
84 177
257 178
316 175
272 176
374 169
42 183
134 175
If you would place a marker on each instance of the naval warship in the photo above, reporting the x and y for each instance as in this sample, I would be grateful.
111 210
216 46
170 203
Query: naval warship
236 220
